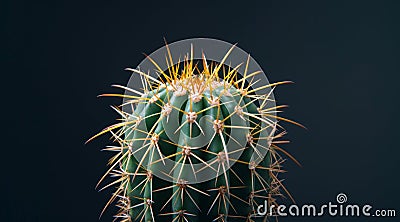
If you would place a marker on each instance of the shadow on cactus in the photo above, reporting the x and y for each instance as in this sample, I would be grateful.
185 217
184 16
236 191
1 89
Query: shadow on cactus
198 145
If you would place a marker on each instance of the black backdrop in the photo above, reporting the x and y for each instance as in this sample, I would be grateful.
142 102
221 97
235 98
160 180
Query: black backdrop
343 57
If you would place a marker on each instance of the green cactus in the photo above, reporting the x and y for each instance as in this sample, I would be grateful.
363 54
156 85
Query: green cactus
219 134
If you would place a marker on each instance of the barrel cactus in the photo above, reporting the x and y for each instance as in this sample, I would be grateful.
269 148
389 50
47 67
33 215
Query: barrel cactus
199 145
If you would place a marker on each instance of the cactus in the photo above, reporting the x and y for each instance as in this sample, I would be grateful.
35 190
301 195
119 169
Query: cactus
210 123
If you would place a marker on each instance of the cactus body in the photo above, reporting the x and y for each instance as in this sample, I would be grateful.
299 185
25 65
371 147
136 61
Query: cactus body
203 120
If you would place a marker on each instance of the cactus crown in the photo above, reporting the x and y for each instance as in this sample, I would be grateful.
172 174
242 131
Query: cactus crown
199 144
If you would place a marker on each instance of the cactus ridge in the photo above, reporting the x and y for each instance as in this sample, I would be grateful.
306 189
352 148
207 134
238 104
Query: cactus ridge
208 121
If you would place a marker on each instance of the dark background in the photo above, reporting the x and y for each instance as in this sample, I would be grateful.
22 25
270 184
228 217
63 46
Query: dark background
342 55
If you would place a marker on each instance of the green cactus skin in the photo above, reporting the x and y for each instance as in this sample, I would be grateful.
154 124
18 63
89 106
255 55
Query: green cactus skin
230 106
